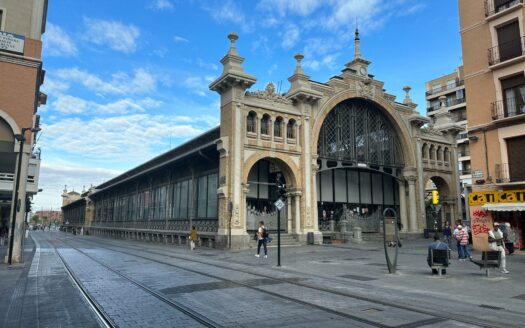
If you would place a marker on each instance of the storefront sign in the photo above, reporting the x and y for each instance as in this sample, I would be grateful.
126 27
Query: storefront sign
12 42
480 223
477 174
494 197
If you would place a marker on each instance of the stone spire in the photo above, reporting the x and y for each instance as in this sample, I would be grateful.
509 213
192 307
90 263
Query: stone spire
233 74
357 50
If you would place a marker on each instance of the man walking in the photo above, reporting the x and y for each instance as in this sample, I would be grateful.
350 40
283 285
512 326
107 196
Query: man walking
262 233
496 244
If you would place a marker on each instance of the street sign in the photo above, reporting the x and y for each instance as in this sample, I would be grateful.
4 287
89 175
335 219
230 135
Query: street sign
279 204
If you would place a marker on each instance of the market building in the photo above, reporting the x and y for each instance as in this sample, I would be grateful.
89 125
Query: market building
492 35
22 24
345 149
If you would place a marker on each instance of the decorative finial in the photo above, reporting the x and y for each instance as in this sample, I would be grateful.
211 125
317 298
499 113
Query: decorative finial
298 68
407 100
233 37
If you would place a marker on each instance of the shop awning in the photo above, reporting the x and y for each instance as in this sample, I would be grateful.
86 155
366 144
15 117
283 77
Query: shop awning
505 207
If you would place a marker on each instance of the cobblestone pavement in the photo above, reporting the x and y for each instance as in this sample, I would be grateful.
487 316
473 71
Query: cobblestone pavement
331 286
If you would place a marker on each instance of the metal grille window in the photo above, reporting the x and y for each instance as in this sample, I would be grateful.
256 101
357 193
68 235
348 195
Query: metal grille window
277 127
357 131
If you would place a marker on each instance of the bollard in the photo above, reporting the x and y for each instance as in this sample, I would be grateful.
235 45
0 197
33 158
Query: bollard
332 225
343 224
358 237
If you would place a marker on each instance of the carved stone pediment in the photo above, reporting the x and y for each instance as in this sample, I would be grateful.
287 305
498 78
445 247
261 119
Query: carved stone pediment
365 88
269 94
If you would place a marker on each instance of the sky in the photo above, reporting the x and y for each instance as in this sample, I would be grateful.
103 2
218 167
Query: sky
128 80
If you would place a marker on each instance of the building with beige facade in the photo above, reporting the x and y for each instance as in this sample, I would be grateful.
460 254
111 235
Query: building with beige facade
447 94
345 149
492 35
22 24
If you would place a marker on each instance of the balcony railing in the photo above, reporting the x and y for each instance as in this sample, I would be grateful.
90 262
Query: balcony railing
506 173
453 102
464 172
464 153
508 108
491 8
433 108
505 51
463 135
446 87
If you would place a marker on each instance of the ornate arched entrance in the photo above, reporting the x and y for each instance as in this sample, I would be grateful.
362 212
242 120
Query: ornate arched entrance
360 162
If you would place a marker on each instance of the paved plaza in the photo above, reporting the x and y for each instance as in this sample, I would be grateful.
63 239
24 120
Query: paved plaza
85 281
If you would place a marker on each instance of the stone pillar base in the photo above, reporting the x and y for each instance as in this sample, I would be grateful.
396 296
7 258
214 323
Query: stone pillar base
303 238
238 241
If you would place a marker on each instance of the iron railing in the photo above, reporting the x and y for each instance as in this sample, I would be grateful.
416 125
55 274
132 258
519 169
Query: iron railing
251 126
506 50
446 87
433 108
507 173
464 172
508 108
491 8
463 135
463 153
453 102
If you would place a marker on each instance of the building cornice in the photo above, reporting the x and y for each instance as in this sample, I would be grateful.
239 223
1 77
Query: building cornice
20 60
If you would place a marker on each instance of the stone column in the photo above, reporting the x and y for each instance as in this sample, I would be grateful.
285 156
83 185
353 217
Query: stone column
297 198
412 225
421 183
19 231
403 205
289 213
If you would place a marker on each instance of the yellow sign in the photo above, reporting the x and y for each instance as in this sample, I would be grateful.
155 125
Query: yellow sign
494 197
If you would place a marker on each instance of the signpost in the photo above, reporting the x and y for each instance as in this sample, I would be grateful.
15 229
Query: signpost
279 204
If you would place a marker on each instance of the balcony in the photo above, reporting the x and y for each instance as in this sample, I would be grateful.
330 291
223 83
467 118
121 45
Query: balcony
492 9
445 87
506 51
464 172
7 179
463 153
509 107
463 135
433 108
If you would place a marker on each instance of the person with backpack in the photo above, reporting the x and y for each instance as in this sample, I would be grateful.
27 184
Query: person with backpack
262 239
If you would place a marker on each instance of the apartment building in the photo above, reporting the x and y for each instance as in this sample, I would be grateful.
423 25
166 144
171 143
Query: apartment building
22 23
492 33
447 94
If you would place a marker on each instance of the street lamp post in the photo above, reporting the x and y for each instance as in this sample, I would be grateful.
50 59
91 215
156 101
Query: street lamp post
20 138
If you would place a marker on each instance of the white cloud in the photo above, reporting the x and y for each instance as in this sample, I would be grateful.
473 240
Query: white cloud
67 104
198 84
229 12
161 5
298 7
180 39
142 81
328 61
53 86
116 35
57 42
118 139
290 36
207 65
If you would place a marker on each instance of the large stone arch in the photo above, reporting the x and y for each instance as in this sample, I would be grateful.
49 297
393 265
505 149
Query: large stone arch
398 124
448 201
284 162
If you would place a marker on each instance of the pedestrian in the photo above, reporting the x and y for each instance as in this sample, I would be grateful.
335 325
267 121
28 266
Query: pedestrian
447 233
3 235
262 234
509 236
194 236
462 239
455 233
496 244
437 244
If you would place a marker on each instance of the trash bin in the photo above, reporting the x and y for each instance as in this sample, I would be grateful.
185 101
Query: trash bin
310 238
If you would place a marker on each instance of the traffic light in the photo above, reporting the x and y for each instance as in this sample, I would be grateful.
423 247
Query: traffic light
281 187
28 204
435 197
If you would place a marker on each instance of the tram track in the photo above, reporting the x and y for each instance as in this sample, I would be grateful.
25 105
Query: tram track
437 316
104 317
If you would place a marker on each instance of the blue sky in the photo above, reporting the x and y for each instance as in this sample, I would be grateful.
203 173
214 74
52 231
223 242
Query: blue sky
127 80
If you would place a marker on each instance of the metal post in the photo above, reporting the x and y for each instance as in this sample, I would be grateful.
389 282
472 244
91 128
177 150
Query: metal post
278 237
18 204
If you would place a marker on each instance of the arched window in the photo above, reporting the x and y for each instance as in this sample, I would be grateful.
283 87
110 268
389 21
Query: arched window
290 129
251 122
440 153
425 151
265 124
446 156
278 127
432 152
